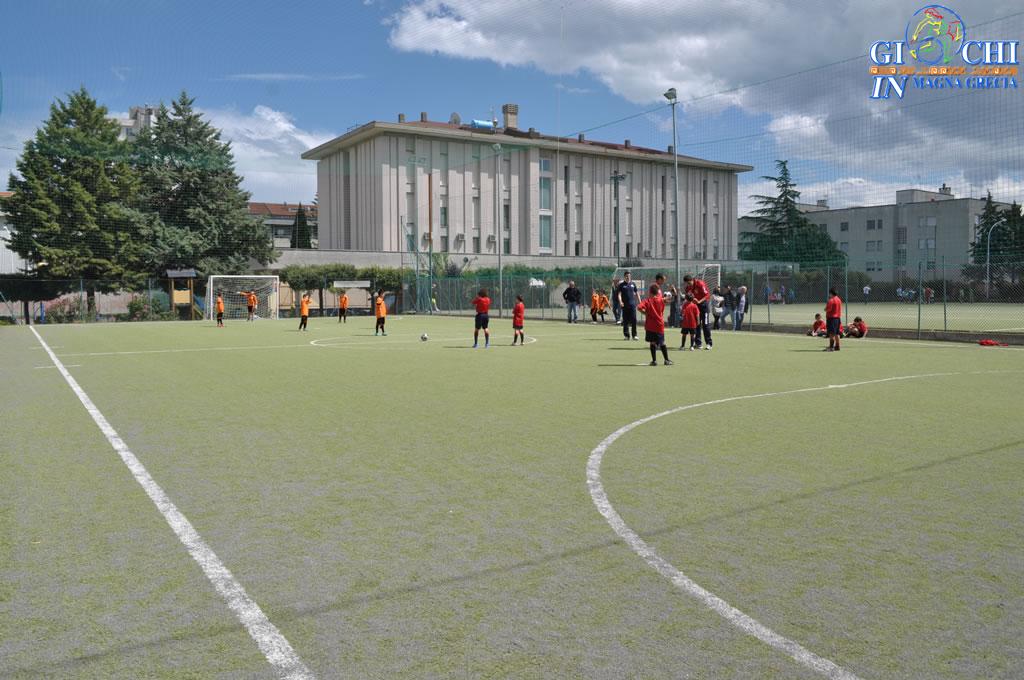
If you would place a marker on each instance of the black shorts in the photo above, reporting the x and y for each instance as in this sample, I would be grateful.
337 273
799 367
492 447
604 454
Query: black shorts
517 328
656 338
482 321
220 316
832 326
251 309
691 331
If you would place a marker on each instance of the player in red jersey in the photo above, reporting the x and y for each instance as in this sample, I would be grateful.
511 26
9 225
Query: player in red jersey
654 323
689 323
857 329
518 316
702 296
833 323
818 328
483 320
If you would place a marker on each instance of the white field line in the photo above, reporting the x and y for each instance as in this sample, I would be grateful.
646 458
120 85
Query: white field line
731 614
382 343
1000 330
65 366
271 642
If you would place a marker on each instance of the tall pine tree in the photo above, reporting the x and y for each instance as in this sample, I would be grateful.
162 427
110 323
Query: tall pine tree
71 213
301 234
200 215
998 241
785 234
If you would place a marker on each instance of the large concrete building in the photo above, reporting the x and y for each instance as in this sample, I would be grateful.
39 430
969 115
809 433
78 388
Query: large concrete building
395 186
887 241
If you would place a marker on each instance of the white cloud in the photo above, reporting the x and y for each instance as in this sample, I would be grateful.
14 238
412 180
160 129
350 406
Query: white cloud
267 145
713 52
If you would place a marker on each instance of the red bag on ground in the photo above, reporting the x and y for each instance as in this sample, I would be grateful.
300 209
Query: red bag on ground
991 343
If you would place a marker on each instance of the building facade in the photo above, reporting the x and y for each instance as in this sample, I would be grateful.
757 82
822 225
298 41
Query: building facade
447 187
139 118
279 219
10 261
887 241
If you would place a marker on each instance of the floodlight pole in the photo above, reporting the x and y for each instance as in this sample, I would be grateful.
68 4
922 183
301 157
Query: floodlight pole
988 256
430 242
671 96
499 228
615 179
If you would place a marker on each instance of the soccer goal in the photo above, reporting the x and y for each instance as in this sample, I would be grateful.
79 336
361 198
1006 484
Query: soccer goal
234 289
709 272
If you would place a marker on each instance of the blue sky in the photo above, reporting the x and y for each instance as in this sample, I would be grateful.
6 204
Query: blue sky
280 77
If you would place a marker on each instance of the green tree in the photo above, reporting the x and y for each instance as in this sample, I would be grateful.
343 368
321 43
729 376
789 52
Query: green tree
999 235
199 213
784 232
301 234
72 212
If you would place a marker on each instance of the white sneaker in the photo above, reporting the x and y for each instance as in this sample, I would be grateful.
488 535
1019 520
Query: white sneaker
707 347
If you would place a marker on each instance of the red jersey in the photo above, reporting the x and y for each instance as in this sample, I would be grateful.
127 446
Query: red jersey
518 314
819 325
699 289
861 326
834 308
654 308
691 315
482 304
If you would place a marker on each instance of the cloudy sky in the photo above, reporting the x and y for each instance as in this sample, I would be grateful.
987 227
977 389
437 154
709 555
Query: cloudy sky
759 80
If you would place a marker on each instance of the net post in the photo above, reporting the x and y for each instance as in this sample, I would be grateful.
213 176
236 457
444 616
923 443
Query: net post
768 288
945 324
920 294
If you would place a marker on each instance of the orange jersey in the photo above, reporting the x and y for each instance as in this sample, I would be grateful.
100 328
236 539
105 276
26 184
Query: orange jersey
252 299
220 305
380 307
595 302
602 302
343 302
304 306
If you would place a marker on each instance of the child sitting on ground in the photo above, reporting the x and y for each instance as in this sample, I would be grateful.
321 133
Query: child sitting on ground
857 329
818 329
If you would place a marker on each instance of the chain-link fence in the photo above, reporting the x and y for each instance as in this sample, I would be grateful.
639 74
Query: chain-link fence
960 297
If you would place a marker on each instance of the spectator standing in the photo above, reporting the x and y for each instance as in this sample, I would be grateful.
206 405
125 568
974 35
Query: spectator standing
616 305
867 293
742 305
728 307
628 297
573 297
717 300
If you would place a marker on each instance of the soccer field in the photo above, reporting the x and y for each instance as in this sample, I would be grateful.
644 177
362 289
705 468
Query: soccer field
380 507
976 318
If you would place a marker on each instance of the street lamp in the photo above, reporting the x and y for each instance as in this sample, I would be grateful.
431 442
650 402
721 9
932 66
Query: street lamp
988 255
499 228
615 179
670 95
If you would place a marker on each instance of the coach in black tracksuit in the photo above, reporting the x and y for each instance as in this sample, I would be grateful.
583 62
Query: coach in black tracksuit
628 298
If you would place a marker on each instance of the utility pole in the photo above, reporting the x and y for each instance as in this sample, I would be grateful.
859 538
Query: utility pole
671 96
499 228
615 179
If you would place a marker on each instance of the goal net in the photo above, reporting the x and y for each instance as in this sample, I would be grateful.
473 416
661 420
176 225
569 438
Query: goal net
710 273
234 289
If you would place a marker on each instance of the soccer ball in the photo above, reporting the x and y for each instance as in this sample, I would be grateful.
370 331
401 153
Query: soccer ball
424 337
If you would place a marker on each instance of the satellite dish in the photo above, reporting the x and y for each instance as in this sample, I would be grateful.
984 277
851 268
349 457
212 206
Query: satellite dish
455 119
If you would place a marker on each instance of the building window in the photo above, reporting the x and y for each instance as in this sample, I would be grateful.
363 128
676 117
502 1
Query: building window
507 246
578 244
663 225
410 144
870 246
507 221
878 246
565 247
663 180
476 244
476 212
901 235
704 193
590 248
545 193
871 225
823 228
629 250
545 232
444 244
629 221
844 226
844 246
901 257
565 181
579 180
444 216
878 224
545 165
579 219
565 224
930 265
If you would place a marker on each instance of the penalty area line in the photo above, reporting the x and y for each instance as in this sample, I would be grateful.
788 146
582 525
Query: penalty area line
737 618
268 638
